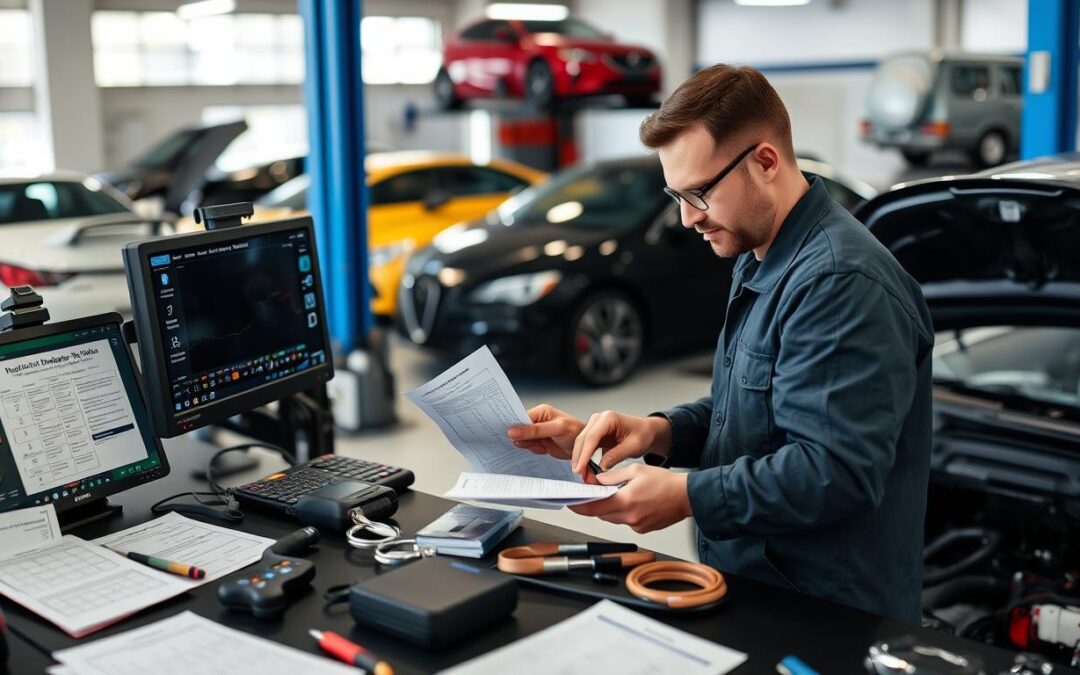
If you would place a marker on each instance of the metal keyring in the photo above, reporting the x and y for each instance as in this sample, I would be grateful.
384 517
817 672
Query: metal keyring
386 556
383 532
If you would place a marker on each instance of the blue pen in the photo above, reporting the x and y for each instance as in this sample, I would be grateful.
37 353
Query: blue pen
793 665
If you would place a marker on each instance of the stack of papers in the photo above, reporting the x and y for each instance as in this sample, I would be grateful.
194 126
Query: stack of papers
469 531
473 404
83 586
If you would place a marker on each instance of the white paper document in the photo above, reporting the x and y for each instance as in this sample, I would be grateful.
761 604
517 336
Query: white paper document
216 550
609 637
27 529
82 587
526 491
473 404
188 643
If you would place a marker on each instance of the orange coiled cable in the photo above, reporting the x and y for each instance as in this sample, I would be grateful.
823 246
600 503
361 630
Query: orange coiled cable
711 584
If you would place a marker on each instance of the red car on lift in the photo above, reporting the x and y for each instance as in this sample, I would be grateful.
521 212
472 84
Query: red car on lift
542 60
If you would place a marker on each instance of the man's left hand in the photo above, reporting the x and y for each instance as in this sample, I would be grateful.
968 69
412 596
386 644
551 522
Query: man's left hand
652 498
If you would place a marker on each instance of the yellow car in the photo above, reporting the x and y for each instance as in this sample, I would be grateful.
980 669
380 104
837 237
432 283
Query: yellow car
414 196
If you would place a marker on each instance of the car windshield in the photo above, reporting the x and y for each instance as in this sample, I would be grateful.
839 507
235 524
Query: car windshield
569 27
1037 366
291 194
164 154
49 200
611 196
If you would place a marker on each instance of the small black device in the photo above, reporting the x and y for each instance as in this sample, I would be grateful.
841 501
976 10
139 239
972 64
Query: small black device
267 593
74 427
228 320
331 508
282 491
22 309
433 602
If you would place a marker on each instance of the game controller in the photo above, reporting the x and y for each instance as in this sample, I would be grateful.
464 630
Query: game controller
268 592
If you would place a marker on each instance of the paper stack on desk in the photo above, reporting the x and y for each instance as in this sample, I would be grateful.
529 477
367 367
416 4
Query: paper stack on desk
473 403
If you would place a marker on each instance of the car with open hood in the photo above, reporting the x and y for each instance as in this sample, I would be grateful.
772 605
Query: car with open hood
998 256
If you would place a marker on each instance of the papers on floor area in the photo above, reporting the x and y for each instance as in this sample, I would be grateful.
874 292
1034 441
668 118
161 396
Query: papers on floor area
82 587
541 493
473 404
27 529
611 638
188 643
216 550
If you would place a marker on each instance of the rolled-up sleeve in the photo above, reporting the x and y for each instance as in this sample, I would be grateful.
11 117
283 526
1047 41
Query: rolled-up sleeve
843 384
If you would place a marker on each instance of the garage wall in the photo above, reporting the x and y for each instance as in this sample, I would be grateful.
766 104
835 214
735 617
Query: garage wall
994 26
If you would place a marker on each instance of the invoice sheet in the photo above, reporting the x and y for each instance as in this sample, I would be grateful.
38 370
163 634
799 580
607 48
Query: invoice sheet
188 643
473 403
526 491
82 587
27 529
216 550
610 638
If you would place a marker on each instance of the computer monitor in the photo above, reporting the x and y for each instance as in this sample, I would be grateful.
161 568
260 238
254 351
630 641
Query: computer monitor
227 320
73 422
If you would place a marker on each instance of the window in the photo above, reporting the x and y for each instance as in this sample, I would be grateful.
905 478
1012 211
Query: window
16 48
1011 82
400 50
20 143
478 180
569 27
406 187
24 202
485 30
970 80
159 48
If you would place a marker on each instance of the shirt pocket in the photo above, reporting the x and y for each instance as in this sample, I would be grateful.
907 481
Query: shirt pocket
749 423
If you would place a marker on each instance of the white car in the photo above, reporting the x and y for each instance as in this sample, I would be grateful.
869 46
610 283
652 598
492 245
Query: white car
62 233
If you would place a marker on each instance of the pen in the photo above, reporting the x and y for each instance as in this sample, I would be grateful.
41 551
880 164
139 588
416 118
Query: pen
793 665
350 652
595 468
189 571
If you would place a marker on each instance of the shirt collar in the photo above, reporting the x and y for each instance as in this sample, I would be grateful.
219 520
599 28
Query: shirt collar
808 211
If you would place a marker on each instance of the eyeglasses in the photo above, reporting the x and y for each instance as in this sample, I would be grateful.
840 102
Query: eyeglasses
696 197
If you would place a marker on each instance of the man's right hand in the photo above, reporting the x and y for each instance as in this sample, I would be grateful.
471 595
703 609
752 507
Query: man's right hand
621 437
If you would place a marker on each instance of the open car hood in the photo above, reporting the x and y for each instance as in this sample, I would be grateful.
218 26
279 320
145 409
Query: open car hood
997 248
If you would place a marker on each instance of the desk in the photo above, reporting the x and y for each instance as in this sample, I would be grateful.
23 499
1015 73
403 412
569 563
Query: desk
765 622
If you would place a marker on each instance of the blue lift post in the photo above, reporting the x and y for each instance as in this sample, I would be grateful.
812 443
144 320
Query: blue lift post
1050 115
337 197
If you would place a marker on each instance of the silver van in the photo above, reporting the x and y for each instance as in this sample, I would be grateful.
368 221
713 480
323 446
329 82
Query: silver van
921 102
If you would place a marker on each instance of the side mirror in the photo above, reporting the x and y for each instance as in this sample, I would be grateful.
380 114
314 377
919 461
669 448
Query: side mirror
435 199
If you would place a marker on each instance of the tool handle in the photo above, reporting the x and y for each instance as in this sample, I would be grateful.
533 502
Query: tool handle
629 559
297 542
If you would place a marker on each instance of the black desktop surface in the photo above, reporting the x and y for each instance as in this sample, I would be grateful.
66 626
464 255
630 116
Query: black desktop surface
765 622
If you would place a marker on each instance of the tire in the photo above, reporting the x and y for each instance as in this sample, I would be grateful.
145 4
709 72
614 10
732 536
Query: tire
606 338
991 149
916 157
539 84
445 96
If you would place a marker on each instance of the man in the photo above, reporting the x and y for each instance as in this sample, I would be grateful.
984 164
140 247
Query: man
813 448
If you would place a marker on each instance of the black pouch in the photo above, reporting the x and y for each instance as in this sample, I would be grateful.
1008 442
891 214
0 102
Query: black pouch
433 602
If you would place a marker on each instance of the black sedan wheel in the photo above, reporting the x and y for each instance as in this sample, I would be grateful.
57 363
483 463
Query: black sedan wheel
539 84
445 96
607 337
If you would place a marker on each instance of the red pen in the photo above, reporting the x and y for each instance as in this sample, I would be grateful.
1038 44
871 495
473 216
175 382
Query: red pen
351 653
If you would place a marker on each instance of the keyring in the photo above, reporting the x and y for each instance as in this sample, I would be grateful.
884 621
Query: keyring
383 532
386 555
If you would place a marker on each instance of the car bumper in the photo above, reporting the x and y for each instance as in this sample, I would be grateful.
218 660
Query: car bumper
598 79
905 139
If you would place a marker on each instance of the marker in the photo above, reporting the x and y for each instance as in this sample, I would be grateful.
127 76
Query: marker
189 571
350 652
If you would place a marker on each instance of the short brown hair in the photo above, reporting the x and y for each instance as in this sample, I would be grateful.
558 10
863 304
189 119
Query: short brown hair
729 100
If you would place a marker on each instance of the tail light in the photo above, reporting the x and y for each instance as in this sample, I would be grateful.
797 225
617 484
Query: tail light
865 127
941 129
13 275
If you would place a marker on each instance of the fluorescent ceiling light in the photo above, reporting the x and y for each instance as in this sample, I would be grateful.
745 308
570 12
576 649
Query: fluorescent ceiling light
772 3
524 12
205 8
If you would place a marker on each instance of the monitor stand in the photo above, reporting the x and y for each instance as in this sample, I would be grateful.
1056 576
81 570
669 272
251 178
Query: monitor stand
89 512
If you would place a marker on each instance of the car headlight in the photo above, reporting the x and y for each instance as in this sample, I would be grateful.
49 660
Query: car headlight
519 290
576 55
384 255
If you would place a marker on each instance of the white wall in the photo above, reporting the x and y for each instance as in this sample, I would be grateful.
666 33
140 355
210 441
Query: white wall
994 26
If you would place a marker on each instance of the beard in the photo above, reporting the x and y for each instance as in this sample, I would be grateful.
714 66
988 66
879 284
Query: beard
751 226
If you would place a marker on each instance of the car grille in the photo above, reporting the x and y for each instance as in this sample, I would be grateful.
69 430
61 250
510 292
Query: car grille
630 62
419 306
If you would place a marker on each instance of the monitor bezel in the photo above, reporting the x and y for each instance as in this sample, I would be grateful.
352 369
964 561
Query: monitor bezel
95 493
147 329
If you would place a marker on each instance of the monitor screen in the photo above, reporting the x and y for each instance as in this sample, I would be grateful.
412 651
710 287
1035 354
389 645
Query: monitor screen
228 320
73 424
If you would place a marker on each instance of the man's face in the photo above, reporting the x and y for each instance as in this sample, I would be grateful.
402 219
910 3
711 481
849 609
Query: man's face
740 214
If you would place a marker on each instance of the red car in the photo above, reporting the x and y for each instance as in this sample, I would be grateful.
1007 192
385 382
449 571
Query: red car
542 60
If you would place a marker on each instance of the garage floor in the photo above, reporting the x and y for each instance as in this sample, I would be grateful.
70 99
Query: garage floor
416 443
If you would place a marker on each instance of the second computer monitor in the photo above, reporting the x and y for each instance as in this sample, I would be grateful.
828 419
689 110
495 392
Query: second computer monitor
227 320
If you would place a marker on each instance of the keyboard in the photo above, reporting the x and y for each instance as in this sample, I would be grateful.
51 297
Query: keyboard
281 490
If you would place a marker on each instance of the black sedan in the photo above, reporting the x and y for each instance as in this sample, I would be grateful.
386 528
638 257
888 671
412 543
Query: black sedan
587 271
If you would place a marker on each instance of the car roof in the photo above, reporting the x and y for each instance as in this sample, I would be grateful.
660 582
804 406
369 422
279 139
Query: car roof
51 177
939 55
1061 169
380 165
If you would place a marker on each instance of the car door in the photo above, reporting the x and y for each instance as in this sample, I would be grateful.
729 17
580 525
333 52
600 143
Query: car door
487 54
396 209
972 100
473 191
1011 95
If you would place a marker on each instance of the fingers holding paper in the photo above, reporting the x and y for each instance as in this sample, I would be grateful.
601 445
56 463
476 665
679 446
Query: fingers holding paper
552 432
618 436
651 499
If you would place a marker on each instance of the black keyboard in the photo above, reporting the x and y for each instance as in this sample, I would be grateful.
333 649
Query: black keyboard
281 490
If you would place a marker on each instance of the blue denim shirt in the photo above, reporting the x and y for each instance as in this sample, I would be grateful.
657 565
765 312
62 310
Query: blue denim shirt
813 449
